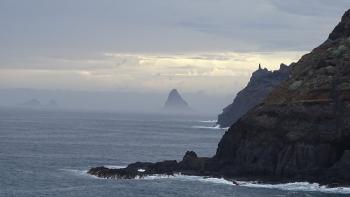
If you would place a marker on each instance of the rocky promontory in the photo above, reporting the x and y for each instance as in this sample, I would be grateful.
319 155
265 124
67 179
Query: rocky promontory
302 129
261 83
300 132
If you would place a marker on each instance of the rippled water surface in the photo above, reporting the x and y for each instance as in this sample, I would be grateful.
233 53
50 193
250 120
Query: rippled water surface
47 153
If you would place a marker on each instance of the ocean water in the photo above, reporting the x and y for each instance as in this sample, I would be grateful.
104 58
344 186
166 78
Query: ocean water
47 153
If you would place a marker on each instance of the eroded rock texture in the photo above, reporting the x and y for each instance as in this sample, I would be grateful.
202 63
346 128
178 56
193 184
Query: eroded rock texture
302 129
261 83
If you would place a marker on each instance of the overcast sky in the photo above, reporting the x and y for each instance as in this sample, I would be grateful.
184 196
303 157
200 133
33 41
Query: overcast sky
209 46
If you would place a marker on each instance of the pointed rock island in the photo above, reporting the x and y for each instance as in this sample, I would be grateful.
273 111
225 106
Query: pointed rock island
299 132
175 102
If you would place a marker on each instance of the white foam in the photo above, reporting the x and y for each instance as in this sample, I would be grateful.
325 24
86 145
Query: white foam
216 127
297 186
80 173
208 121
141 170
74 171
114 166
181 177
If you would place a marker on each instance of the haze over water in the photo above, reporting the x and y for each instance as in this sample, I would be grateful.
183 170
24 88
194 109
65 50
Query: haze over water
47 153
83 84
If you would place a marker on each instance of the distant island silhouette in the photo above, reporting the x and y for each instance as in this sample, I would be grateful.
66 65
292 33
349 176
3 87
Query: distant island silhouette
175 102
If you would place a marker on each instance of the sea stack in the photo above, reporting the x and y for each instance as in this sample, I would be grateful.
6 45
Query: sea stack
261 83
175 102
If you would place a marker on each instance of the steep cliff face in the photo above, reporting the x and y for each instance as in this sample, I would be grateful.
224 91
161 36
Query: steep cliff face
300 132
175 102
260 85
302 129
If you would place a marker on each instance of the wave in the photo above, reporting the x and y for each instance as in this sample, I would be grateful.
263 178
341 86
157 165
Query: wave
79 173
208 121
296 186
85 173
114 166
74 171
208 127
181 177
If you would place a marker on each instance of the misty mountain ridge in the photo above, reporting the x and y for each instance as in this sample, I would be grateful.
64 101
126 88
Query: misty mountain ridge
32 102
118 101
37 103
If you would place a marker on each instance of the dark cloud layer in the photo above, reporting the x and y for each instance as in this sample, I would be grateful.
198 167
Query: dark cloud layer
84 26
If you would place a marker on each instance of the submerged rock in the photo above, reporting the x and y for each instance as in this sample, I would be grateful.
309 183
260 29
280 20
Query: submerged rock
261 83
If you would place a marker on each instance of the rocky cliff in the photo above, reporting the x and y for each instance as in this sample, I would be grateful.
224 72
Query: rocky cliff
302 129
300 132
175 102
261 83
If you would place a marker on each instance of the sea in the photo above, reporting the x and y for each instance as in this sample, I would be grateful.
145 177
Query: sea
46 152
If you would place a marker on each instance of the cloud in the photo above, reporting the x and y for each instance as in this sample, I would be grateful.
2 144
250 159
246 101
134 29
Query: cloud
312 8
85 26
155 72
156 44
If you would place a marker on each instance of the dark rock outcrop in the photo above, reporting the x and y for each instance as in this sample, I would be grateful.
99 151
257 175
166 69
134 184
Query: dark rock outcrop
300 132
190 165
261 83
175 102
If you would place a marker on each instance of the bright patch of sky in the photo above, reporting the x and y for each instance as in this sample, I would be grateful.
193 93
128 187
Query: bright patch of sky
156 45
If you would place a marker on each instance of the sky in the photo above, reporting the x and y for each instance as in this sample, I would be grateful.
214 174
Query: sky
197 46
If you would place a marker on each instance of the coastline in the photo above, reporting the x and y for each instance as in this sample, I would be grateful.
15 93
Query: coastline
191 165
